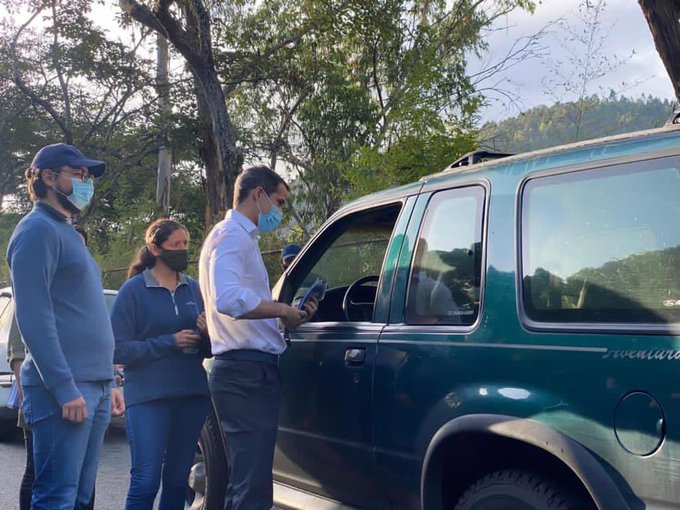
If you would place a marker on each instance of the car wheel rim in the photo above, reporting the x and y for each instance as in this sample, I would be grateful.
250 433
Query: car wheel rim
197 483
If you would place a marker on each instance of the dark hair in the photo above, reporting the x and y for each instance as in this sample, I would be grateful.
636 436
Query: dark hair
37 188
157 233
252 178
82 232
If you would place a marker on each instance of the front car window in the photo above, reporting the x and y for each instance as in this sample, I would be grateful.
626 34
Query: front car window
603 245
444 286
350 251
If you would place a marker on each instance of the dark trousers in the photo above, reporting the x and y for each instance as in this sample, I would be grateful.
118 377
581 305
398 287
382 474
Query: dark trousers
163 435
247 396
26 488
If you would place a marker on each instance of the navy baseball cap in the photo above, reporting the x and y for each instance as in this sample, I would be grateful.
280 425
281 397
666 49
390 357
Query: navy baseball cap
290 250
57 155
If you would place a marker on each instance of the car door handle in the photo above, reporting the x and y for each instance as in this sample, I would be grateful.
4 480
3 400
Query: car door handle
355 357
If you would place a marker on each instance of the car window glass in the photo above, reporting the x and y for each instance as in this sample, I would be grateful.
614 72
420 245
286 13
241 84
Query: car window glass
603 245
363 245
352 249
110 299
444 284
5 316
4 301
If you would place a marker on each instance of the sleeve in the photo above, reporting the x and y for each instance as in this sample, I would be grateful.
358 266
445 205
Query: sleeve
130 349
228 263
206 347
33 258
16 351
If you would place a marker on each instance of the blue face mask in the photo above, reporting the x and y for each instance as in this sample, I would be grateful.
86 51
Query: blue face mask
82 193
270 221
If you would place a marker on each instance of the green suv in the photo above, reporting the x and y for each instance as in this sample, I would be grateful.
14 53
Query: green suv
501 335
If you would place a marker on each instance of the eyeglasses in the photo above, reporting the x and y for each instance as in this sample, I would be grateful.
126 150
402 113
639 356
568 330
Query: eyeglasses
79 175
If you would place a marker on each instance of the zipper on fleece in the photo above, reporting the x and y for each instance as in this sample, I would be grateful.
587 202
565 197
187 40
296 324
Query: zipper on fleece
174 303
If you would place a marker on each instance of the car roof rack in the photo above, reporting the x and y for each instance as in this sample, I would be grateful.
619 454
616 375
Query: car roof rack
474 157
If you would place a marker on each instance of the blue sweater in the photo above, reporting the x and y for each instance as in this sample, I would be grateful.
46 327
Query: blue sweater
60 305
145 318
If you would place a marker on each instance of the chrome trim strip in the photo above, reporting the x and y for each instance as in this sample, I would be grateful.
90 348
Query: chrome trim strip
332 341
289 497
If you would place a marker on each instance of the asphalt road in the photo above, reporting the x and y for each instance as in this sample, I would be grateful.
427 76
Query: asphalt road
112 480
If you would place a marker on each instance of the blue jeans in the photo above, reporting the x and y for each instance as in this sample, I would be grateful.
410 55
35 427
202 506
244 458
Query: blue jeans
65 454
163 435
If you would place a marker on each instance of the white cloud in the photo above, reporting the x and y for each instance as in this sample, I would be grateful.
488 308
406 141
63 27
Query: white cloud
627 37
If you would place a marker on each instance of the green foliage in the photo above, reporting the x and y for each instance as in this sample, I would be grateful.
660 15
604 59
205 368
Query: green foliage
640 283
7 223
406 161
351 97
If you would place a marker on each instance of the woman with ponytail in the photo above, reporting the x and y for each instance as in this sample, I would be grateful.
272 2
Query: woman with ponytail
161 338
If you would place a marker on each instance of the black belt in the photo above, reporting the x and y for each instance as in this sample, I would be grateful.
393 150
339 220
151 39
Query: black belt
249 355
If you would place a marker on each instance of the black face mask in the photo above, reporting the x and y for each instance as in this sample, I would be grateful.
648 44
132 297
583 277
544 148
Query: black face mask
177 260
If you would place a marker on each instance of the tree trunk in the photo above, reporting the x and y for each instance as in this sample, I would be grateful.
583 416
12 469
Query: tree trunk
663 18
190 35
218 149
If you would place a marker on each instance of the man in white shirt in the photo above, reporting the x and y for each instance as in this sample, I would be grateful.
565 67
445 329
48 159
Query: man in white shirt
245 335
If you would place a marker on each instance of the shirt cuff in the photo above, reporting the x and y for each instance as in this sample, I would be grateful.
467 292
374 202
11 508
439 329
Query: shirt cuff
66 391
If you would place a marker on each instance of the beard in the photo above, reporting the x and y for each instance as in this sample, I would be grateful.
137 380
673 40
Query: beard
66 204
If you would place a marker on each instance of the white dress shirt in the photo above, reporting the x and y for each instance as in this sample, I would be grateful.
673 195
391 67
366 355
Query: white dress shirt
234 281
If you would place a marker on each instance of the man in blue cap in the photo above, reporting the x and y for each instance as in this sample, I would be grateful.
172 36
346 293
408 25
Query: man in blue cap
288 254
60 309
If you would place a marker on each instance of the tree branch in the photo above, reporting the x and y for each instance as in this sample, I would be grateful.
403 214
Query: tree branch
68 121
35 98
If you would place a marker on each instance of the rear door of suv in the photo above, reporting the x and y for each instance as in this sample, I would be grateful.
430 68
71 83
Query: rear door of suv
435 308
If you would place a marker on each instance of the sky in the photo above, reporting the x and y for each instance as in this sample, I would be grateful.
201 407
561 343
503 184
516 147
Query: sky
523 84
625 28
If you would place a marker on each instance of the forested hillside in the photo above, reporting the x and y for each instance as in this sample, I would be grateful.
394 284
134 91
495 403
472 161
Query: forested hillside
546 126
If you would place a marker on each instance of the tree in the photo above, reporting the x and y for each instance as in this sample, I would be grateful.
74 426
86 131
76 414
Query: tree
362 95
663 18
187 28
77 86
573 80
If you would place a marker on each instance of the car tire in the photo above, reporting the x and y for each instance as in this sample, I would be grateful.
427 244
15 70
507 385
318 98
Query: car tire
517 490
208 478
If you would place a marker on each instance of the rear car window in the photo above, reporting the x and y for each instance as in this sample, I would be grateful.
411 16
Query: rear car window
603 245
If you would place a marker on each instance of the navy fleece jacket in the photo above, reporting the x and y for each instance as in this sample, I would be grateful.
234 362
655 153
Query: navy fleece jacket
145 318
60 305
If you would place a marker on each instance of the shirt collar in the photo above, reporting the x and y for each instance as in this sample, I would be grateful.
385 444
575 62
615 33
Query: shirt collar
150 280
243 221
51 211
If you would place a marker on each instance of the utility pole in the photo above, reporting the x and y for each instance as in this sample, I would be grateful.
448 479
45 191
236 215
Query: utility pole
164 154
